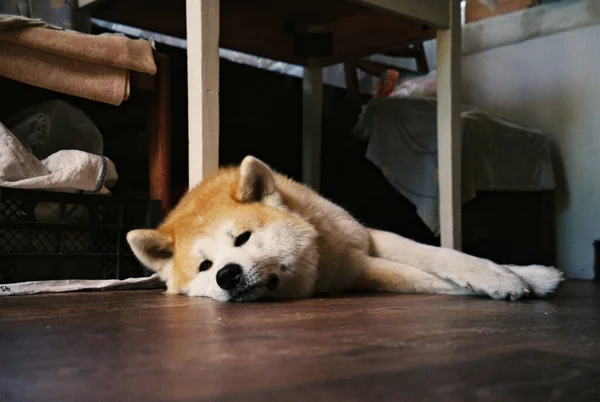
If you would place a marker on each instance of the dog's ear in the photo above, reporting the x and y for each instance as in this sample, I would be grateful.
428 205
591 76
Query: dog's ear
257 183
154 249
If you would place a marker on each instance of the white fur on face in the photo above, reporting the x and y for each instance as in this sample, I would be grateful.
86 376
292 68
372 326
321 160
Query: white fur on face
281 248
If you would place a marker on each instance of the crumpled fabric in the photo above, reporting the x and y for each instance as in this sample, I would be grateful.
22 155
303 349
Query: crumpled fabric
497 155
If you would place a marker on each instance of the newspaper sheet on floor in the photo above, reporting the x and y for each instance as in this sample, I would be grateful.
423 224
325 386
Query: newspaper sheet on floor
71 285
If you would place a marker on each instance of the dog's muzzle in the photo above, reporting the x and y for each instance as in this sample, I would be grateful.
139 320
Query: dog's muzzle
248 292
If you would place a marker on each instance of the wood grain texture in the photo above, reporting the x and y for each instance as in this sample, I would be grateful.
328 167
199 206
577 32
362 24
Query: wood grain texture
142 345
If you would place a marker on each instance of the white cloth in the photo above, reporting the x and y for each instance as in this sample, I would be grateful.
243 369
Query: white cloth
28 288
497 155
65 170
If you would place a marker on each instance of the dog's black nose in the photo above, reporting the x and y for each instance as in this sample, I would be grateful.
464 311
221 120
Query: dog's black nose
229 276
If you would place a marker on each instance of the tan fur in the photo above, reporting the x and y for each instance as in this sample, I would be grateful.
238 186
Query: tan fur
308 244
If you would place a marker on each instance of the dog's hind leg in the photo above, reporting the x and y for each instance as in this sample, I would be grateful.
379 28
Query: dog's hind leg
480 275
382 275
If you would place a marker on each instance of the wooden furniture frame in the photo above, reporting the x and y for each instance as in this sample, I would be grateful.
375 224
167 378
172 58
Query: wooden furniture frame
158 127
314 34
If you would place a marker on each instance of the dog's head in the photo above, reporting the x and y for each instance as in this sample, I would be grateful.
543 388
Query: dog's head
233 238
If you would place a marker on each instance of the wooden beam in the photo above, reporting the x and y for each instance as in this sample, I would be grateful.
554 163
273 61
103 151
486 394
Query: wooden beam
377 68
405 52
359 31
352 86
431 12
159 137
422 65
449 133
202 18
312 116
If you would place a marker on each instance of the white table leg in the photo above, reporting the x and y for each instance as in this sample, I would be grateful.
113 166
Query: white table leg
449 135
202 18
312 115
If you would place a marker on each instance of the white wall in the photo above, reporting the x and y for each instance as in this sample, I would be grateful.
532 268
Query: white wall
553 83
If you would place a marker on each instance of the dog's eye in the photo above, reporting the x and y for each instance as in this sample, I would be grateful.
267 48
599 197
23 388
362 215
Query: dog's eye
205 265
242 239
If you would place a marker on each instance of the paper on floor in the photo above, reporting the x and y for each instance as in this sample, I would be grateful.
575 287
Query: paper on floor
71 285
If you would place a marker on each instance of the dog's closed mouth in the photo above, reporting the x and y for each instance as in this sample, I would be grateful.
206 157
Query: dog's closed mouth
273 282
245 293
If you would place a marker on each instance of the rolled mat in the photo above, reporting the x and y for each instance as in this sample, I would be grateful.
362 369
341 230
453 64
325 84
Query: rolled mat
108 49
64 74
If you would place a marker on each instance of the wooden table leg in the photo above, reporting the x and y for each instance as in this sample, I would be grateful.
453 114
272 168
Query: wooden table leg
159 158
449 134
312 117
202 19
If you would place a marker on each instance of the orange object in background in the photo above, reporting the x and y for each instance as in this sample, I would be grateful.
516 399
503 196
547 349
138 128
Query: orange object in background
386 83
476 11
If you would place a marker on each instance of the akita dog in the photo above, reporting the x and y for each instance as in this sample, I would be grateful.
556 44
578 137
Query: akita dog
248 233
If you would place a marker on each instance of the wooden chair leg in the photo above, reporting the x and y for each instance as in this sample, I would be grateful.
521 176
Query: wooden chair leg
352 85
312 119
421 58
449 135
202 28
159 149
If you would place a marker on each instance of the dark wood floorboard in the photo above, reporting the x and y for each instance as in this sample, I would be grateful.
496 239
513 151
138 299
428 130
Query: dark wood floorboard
142 345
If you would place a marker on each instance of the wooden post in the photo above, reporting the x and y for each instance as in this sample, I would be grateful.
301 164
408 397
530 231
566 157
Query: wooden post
159 137
202 19
312 115
449 132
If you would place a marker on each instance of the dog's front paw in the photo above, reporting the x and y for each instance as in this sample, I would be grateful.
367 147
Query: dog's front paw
542 280
501 286
493 280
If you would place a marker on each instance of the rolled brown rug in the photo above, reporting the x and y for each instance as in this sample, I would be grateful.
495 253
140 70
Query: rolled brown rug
62 74
88 66
109 49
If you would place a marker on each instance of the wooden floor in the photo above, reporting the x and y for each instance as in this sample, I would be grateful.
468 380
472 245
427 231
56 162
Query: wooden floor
142 345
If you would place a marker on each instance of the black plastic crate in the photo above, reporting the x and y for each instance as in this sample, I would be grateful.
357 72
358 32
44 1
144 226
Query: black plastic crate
49 235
